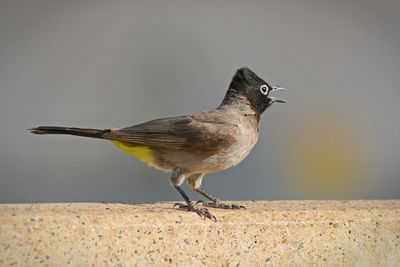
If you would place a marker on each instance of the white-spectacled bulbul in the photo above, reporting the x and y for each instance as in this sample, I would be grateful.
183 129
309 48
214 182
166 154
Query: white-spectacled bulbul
191 146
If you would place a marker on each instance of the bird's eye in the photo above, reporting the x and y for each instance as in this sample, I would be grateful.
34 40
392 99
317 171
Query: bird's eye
264 89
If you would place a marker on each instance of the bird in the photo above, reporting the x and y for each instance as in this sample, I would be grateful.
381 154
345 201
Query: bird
191 146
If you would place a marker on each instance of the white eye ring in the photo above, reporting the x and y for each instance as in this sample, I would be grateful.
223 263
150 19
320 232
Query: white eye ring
264 89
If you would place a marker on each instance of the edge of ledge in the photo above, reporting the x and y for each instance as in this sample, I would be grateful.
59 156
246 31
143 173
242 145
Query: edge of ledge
164 212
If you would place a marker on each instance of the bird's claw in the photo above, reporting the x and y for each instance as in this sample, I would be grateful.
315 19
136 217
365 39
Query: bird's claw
202 212
220 205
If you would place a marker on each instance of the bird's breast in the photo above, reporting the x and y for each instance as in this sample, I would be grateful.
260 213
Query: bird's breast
246 139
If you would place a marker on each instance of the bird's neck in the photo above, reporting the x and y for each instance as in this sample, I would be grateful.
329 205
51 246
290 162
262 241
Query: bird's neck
238 103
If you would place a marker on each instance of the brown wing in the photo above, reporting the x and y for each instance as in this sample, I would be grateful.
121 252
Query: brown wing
206 132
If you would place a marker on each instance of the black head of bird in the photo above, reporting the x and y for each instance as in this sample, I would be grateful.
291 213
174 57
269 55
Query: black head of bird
247 85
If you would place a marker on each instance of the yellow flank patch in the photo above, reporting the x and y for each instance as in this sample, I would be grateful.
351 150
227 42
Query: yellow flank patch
144 153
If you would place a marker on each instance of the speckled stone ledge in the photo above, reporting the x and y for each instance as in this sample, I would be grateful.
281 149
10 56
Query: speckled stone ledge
268 233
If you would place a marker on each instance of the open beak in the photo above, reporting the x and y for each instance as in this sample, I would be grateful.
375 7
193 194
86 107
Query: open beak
276 99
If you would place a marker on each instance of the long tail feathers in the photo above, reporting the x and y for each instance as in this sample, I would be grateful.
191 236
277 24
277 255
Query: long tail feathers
95 133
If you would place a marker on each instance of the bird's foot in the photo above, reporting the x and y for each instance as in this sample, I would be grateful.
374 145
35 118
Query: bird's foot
202 212
220 205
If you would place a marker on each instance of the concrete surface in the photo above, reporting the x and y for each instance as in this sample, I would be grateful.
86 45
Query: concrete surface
268 233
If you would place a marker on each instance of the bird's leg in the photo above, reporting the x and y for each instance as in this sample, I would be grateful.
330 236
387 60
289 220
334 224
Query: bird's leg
202 212
194 181
176 179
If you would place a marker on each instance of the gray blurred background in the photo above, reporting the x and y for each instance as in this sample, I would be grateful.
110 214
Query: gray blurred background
103 64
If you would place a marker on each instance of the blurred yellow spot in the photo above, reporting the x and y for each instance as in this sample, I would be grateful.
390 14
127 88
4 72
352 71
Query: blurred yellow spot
326 158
